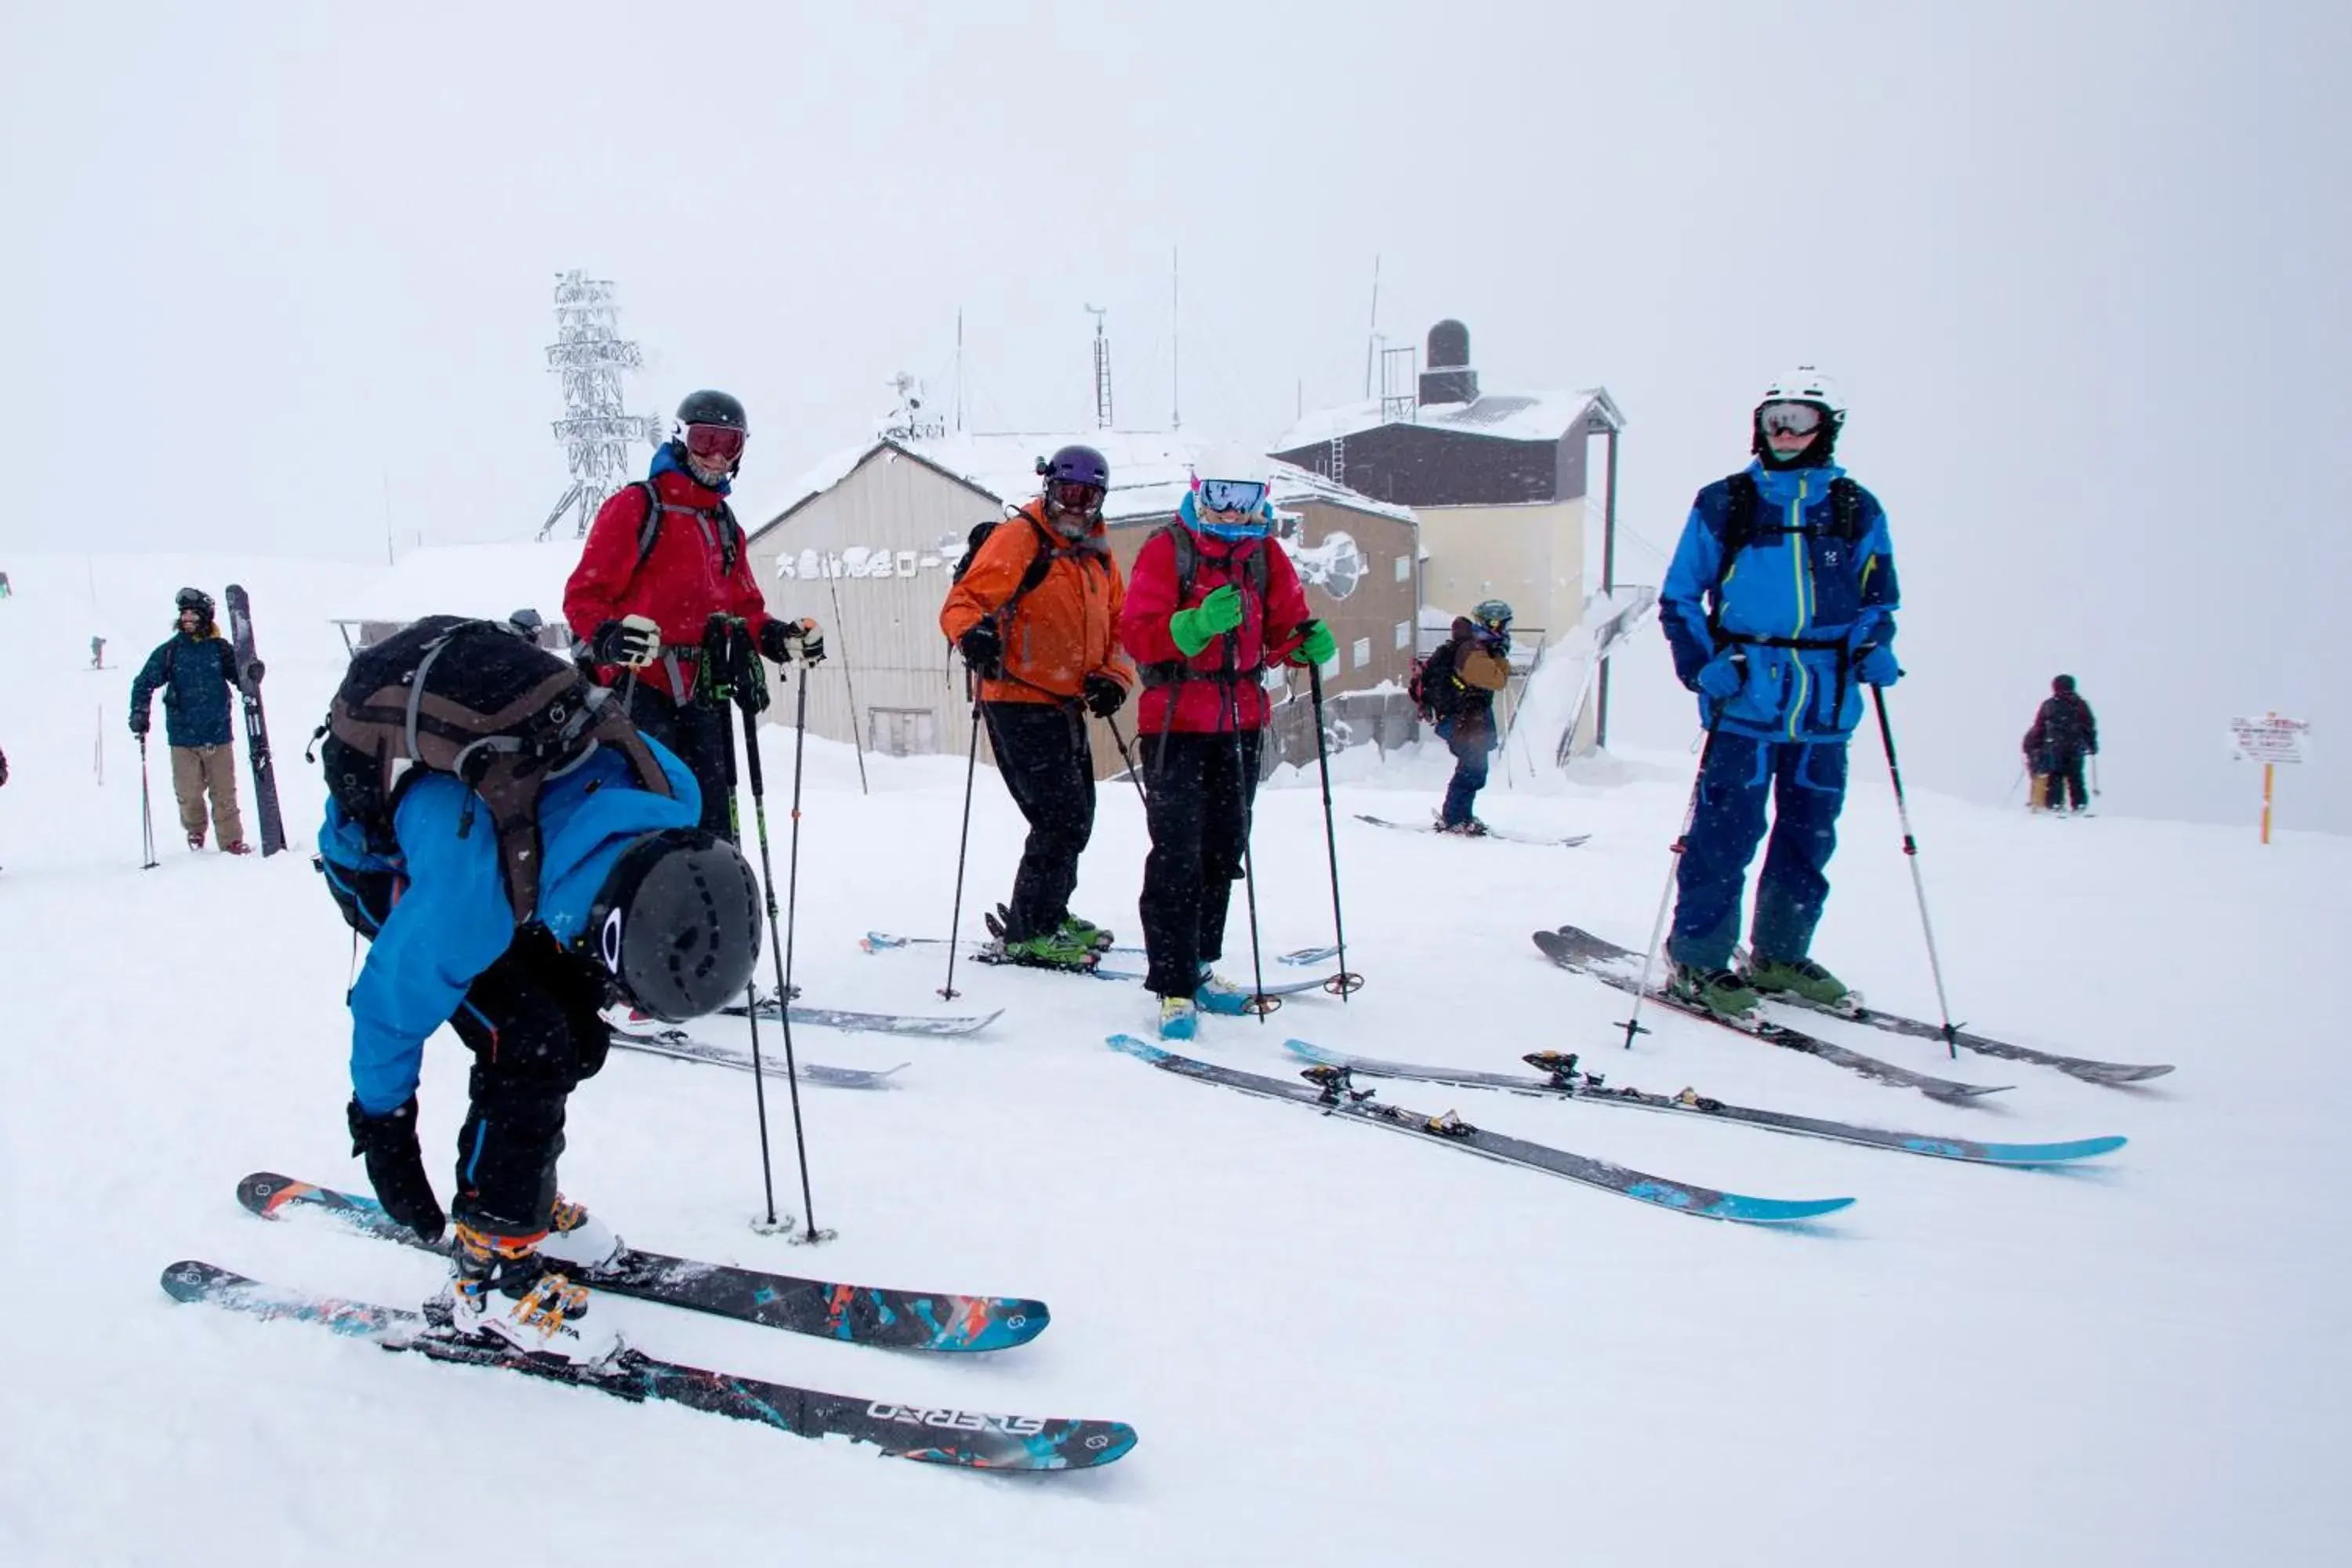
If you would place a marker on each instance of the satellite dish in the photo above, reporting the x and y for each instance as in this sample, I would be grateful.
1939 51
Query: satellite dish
1336 565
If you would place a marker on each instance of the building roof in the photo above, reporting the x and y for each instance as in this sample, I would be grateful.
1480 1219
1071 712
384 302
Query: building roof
1150 472
488 580
1503 417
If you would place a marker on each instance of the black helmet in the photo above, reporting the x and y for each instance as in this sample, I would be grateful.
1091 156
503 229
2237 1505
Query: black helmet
708 407
676 924
195 599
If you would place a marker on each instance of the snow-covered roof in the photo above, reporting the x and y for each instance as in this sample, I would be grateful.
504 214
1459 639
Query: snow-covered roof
493 580
1505 416
1149 471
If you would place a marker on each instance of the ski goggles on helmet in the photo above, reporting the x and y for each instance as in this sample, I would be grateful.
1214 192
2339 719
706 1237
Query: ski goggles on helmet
1225 496
1789 418
714 444
1075 495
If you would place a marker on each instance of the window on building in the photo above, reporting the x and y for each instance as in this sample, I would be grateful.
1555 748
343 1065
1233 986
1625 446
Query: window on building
1404 633
1363 651
1404 568
902 732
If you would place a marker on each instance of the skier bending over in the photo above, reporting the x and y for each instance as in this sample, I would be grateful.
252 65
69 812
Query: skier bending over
194 668
663 556
1215 602
1036 616
1780 607
1459 683
636 905
2063 734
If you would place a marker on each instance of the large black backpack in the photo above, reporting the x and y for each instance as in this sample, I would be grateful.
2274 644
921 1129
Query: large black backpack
479 701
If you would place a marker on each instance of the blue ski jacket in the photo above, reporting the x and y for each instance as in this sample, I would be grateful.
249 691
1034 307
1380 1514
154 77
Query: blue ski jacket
1811 587
194 674
449 918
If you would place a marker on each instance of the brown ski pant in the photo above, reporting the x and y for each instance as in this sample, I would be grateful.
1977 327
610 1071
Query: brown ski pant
197 770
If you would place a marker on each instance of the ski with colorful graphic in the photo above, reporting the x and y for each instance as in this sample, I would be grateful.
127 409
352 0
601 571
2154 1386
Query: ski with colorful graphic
1330 1090
1215 997
1621 968
679 1045
948 1027
856 1314
1564 1080
937 1435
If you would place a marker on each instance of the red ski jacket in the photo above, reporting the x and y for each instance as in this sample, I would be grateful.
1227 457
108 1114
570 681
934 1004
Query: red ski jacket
684 579
1195 701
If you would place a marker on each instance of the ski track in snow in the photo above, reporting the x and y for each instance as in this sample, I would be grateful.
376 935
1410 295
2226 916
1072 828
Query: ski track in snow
1337 1347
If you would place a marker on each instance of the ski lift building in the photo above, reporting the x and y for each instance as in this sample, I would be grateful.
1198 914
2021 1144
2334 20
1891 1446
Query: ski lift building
867 543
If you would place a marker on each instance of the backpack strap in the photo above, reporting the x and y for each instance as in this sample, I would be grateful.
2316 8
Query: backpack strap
1255 571
720 519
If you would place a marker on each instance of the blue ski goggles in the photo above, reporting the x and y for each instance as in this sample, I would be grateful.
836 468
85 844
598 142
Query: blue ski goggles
1230 496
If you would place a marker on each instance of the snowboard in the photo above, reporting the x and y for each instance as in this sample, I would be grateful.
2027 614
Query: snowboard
679 1045
855 1314
1563 1080
1621 968
939 1436
257 728
1332 1092
1502 835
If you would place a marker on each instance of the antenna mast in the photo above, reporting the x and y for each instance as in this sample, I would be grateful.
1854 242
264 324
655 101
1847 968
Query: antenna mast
1175 343
1373 342
1102 369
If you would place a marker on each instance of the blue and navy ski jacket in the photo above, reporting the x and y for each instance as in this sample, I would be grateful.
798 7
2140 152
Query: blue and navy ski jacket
194 673
1809 587
449 916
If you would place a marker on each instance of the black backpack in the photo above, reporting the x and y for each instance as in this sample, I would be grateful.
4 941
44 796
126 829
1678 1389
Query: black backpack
1188 564
479 701
720 519
1741 530
1432 685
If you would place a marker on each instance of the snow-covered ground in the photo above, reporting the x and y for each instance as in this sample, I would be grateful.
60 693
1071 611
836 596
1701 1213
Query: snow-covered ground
1338 1346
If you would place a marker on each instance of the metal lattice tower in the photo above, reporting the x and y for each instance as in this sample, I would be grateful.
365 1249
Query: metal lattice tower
590 356
1102 369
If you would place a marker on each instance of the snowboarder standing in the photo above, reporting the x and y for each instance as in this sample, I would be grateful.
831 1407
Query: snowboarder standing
2064 735
1779 607
634 904
1036 616
195 667
663 556
1459 686
1215 603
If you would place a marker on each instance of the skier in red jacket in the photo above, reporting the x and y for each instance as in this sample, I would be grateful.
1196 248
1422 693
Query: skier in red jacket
1214 601
664 555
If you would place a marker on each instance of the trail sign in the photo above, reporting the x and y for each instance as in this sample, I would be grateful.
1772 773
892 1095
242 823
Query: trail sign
2269 741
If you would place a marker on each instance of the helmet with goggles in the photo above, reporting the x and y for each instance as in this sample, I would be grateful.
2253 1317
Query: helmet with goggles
195 599
1801 404
712 426
1493 615
676 924
1076 480
1229 495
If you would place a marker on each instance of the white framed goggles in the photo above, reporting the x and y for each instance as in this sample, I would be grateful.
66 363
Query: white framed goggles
1789 418
1224 496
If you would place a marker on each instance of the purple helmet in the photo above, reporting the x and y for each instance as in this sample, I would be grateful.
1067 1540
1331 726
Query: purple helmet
1078 466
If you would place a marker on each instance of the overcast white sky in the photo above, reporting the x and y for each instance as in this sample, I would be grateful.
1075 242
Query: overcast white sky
2082 268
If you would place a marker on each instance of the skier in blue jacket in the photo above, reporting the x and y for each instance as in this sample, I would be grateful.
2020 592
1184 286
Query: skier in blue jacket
637 905
195 669
1780 608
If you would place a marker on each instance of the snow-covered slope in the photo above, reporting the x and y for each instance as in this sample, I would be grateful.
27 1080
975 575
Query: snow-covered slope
1338 1346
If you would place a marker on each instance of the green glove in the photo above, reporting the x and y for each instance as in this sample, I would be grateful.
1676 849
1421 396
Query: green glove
1316 646
1197 627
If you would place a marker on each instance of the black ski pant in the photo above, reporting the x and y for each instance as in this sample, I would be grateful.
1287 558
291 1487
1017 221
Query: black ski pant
2066 786
533 1020
1197 804
696 733
1049 769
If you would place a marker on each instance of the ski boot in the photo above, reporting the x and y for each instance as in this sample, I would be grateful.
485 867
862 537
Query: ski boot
1800 978
239 848
1083 931
1178 1019
1468 827
578 1238
503 1293
1719 991
1054 951
196 839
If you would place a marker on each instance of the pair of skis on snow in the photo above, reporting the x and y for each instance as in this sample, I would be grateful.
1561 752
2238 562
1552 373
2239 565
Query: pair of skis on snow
855 1314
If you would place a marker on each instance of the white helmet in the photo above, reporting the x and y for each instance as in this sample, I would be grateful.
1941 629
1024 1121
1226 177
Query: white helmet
1806 385
1228 462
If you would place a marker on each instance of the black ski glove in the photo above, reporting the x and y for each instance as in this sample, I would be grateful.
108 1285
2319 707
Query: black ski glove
3 767
139 722
1104 696
982 649
779 639
394 1167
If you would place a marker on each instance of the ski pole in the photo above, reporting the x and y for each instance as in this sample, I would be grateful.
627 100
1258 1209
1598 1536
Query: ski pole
1632 1025
2013 783
1126 754
1259 1002
856 734
2094 772
146 809
1343 984
963 839
1918 885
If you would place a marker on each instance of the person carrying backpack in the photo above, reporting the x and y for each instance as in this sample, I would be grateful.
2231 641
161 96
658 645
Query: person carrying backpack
194 668
1215 603
1457 686
2063 734
1778 606
1034 612
663 556
569 878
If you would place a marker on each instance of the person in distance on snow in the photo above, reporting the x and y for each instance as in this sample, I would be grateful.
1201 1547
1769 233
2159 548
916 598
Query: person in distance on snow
663 556
1779 607
2064 735
1213 604
1458 684
634 904
194 668
1036 616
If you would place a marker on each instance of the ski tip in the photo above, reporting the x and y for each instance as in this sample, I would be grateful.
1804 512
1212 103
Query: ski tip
2051 1154
1773 1211
880 941
265 1192
1962 1093
1063 1446
190 1280
1308 1051
1140 1050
